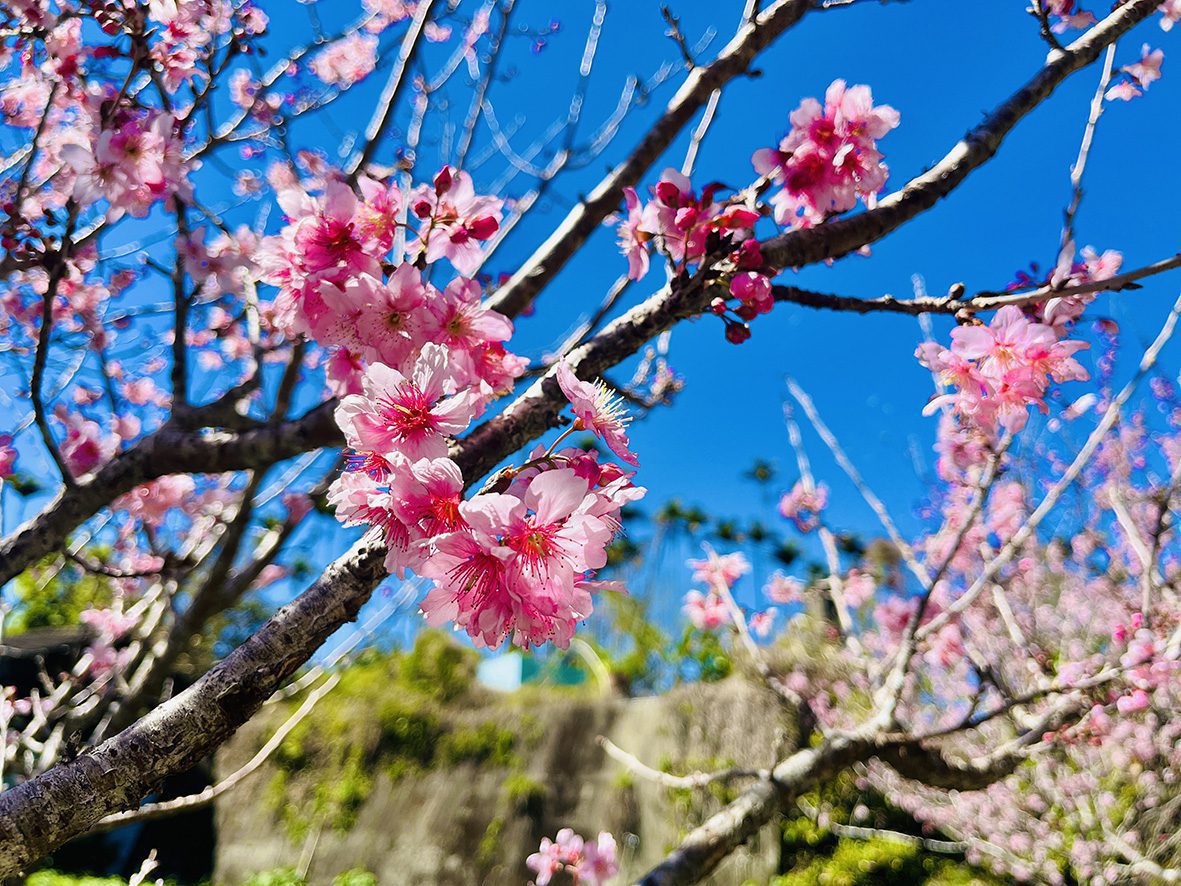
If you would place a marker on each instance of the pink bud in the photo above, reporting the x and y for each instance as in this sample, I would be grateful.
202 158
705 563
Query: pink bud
443 180
483 227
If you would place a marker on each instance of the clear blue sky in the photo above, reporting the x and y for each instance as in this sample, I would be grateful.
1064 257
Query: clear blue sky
943 70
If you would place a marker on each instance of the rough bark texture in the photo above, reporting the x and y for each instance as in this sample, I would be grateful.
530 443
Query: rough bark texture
42 813
708 845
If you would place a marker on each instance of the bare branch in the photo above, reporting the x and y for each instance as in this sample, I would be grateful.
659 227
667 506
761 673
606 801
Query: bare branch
384 114
837 238
733 61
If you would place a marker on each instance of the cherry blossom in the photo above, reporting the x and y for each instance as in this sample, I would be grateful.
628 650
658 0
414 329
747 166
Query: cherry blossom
785 589
998 371
8 456
412 414
706 612
802 505
720 569
1148 68
455 220
598 411
829 158
346 61
590 862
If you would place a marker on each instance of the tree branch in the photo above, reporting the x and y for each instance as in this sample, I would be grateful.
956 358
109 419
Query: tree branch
837 238
167 451
584 219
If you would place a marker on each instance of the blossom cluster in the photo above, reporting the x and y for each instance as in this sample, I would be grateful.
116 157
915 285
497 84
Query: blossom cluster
1138 75
591 862
132 161
996 372
711 610
826 162
829 159
414 366
329 264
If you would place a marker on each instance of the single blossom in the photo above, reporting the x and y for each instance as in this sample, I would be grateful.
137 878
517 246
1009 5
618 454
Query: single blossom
1148 68
720 570
410 415
598 411
706 612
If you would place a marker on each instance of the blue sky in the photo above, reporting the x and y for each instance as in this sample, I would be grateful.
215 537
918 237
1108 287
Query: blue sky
943 73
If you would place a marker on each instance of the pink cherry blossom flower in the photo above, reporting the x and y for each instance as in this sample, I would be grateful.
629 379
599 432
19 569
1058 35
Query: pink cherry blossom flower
8 455
998 371
545 862
458 319
599 863
153 501
1002 345
521 564
598 411
389 317
802 505
632 239
346 61
1068 16
455 220
1125 90
762 622
85 447
408 415
706 612
829 158
325 234
1148 68
753 289
720 570
784 589
377 214
1170 12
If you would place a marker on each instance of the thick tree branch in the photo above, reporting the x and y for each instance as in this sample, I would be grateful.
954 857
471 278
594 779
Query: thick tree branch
584 219
842 236
44 812
167 451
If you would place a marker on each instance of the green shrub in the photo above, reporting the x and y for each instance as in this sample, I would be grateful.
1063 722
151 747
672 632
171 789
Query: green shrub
355 877
439 667
486 743
276 877
56 878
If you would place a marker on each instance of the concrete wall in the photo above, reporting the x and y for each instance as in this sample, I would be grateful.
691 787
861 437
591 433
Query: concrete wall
428 828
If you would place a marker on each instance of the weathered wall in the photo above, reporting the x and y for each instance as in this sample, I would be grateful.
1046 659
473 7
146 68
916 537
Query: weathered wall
456 825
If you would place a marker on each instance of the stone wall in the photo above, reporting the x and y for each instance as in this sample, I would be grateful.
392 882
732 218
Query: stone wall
461 825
